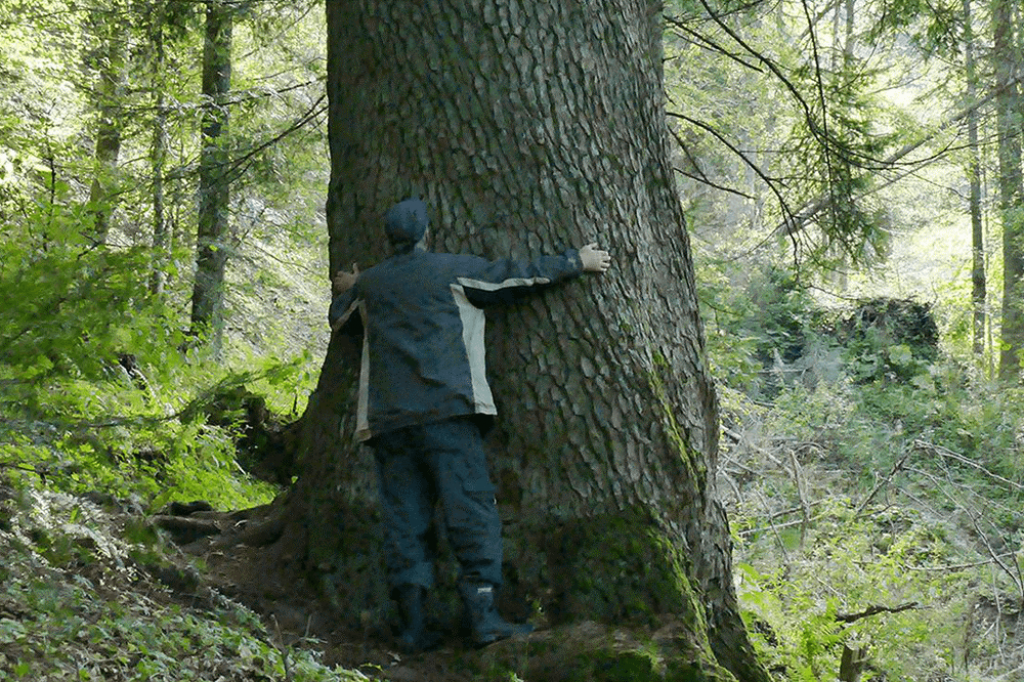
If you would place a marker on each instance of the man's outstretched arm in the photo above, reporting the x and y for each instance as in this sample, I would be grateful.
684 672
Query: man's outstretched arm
501 281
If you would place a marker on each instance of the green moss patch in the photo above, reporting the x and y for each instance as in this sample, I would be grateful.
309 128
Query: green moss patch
592 652
620 568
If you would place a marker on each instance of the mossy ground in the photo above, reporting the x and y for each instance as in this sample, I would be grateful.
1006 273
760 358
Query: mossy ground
588 651
94 593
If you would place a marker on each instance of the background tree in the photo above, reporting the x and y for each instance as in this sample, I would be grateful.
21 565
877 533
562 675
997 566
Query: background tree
214 178
978 275
528 127
109 59
155 20
1006 61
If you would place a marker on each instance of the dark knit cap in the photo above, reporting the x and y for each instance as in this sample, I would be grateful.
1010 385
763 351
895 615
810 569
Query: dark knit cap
406 222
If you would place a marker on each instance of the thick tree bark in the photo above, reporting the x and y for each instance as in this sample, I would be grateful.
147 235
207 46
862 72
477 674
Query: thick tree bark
527 128
1011 192
978 279
214 196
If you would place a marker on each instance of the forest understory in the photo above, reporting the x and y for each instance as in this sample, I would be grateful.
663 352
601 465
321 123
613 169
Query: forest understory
876 525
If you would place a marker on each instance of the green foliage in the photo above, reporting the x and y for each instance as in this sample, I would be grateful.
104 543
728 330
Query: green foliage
843 569
878 494
935 27
764 330
99 383
130 443
801 174
117 624
75 415
74 306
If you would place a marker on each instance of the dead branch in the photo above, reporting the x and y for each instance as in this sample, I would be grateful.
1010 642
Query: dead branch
875 610
895 468
184 528
738 438
805 509
1014 575
949 454
789 524
775 531
959 567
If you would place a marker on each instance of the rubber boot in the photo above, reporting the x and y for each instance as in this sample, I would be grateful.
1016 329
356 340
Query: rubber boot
487 624
414 638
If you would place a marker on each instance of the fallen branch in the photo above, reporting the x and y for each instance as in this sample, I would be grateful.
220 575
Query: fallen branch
1015 575
738 438
957 567
875 610
184 528
895 468
788 524
949 454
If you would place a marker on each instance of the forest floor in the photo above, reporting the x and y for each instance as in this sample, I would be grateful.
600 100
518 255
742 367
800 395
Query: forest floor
257 577
95 588
90 590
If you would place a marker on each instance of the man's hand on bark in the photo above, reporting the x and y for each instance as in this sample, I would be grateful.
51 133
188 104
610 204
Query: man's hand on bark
343 281
594 259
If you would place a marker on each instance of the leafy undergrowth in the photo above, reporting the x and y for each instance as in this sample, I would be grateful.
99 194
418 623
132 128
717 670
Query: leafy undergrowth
89 589
80 601
881 522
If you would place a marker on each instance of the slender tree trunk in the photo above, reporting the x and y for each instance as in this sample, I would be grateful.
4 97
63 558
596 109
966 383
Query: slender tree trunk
978 282
110 63
529 127
214 197
849 48
850 44
1008 120
158 155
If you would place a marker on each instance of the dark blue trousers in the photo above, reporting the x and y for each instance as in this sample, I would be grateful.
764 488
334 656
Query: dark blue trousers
420 465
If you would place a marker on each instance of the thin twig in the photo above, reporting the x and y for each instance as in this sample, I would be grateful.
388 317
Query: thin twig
709 44
775 531
1015 577
769 181
282 649
895 468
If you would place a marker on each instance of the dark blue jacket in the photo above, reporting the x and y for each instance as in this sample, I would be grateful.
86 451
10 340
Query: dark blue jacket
423 332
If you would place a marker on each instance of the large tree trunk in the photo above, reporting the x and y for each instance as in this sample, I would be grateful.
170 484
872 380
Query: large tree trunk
1007 60
214 196
528 127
